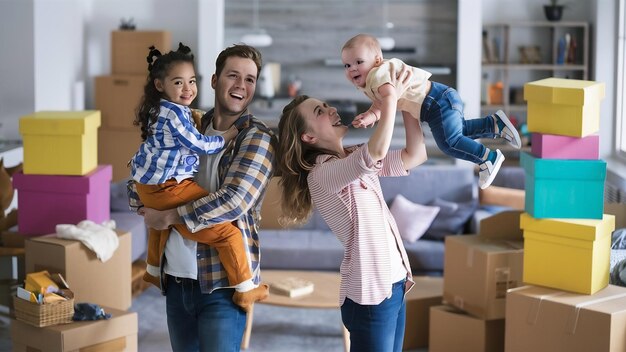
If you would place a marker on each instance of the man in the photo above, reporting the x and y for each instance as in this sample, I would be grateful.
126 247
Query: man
200 312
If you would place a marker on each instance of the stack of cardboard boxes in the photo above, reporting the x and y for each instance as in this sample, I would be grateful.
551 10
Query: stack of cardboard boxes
567 233
62 183
118 95
478 271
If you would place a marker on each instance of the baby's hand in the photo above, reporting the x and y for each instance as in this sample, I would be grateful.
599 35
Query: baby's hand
364 120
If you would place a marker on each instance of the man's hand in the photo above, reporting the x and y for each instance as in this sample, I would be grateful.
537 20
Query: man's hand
159 219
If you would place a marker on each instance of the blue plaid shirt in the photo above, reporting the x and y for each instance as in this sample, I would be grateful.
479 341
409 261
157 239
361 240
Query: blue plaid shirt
171 151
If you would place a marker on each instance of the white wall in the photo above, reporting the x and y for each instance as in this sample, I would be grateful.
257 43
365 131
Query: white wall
604 49
16 64
58 59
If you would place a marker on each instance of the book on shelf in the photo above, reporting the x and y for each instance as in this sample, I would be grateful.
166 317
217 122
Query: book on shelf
292 287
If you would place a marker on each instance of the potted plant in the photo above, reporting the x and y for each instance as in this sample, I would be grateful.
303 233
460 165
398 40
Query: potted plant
554 11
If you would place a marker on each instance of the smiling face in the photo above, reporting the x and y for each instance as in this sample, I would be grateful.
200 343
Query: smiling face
179 85
358 60
235 86
323 125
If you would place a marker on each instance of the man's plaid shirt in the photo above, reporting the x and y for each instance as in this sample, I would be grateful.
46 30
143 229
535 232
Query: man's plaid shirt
245 170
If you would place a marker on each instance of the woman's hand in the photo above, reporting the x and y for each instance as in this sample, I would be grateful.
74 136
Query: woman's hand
401 79
159 219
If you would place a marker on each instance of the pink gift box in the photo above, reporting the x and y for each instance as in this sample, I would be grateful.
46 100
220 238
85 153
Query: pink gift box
550 146
44 201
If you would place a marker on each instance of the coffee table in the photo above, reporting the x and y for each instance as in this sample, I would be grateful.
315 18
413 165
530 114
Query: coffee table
325 295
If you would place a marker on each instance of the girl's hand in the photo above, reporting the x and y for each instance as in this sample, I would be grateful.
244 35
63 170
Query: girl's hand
230 134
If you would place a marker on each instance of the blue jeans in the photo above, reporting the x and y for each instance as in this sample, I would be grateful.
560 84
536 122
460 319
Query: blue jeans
378 328
202 322
443 111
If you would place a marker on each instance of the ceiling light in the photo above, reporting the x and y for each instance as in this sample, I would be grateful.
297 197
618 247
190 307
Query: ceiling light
386 43
258 37
259 40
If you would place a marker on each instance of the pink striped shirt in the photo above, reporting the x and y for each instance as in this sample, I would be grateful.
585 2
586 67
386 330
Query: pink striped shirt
347 193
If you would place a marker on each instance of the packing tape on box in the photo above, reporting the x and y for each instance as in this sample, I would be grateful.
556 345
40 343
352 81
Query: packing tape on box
533 312
572 321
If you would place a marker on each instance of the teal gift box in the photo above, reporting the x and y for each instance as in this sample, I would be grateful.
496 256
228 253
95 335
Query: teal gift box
563 188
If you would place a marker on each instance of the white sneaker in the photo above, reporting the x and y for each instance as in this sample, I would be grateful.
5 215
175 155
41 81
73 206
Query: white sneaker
489 170
508 132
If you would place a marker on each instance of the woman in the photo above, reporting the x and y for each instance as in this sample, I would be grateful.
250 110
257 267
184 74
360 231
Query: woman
343 184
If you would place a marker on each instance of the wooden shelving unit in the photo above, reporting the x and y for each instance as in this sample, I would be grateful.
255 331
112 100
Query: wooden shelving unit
503 59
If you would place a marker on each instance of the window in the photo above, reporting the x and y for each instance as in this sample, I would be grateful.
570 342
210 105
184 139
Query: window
621 82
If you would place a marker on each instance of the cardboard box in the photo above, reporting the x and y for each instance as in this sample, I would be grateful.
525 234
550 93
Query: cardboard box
454 330
619 210
113 335
60 142
557 188
129 50
478 269
551 146
543 320
116 147
107 284
48 200
566 107
117 98
502 196
567 254
427 292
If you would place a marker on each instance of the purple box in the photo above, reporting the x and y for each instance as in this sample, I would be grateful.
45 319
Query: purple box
550 146
44 201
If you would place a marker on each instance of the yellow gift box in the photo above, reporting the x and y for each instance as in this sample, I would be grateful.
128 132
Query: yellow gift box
60 142
566 107
567 254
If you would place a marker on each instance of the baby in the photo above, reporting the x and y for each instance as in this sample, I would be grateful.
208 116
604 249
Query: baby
435 103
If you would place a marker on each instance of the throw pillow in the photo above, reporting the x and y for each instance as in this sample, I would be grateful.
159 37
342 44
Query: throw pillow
451 219
413 219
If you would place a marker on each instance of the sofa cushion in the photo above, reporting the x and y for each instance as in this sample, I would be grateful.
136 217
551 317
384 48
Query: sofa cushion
299 249
413 219
321 250
452 218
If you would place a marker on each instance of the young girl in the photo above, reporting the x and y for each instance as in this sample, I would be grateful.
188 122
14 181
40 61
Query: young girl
343 184
438 105
164 166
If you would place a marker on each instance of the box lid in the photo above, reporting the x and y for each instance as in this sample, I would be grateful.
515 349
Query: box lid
580 229
609 300
569 169
563 91
77 335
59 122
84 184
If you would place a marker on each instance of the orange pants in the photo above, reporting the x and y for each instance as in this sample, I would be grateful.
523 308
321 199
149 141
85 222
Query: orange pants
226 238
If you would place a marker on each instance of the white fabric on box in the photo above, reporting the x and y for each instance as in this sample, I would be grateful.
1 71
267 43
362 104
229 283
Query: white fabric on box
100 238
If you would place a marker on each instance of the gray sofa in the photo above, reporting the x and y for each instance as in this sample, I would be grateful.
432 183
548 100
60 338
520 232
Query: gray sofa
314 247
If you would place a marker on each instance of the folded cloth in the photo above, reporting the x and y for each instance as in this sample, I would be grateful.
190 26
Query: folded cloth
99 238
89 311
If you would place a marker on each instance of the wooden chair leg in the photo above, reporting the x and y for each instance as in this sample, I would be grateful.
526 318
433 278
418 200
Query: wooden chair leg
245 341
